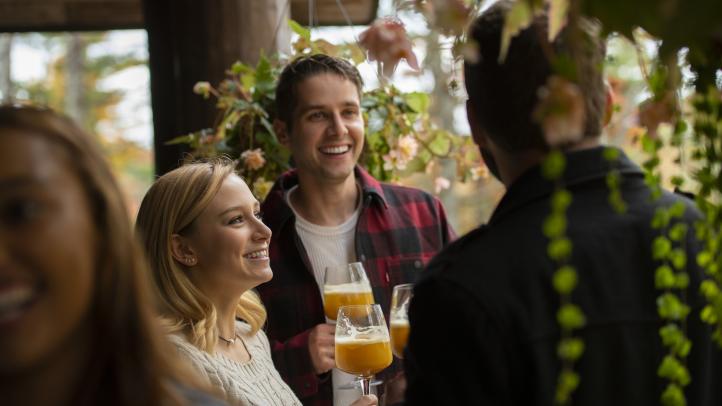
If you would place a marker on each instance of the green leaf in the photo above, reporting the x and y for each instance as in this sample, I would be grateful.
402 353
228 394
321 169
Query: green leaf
300 30
440 145
567 384
708 315
565 279
677 210
561 199
709 289
678 232
674 370
570 349
673 396
678 257
183 139
559 249
570 317
664 277
553 165
661 247
555 225
557 17
418 101
517 19
670 307
611 154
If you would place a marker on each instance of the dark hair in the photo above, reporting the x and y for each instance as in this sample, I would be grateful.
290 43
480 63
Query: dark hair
130 363
303 68
504 94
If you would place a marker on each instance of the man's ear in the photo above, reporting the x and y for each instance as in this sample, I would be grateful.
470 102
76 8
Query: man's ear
477 134
281 130
182 251
608 103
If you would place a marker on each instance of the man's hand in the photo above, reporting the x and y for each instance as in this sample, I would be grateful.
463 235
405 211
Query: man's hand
368 400
395 389
321 347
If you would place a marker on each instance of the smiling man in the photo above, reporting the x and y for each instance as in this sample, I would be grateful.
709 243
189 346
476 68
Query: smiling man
327 212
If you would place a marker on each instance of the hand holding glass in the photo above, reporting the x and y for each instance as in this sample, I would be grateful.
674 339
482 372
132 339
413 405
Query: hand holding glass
400 317
362 342
345 285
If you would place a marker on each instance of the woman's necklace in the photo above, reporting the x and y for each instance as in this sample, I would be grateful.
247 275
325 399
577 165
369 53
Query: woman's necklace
230 341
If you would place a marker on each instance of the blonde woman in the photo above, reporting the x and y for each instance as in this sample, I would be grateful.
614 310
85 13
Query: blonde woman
208 248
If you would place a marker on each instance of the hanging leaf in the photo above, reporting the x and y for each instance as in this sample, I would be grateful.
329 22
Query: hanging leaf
518 18
558 10
302 31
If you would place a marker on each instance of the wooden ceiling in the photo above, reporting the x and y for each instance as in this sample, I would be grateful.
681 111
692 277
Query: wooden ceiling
67 15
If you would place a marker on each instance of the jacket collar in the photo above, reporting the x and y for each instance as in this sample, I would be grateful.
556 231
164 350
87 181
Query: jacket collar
275 202
581 167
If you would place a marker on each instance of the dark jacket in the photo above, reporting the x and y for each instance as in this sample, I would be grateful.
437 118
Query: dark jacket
398 231
483 325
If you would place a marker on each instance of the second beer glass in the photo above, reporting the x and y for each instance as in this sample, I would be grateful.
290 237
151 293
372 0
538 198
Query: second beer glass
345 285
399 318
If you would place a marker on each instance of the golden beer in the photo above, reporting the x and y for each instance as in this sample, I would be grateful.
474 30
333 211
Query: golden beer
363 356
399 336
335 296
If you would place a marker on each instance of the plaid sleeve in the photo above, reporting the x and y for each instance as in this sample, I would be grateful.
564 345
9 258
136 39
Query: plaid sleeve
293 362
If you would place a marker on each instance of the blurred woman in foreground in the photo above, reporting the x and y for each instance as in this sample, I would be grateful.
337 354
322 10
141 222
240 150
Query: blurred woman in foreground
76 320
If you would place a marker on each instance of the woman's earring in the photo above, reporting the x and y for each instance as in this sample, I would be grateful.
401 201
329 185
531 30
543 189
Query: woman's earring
190 261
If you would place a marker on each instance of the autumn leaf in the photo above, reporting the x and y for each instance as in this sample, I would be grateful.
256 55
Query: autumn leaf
518 18
557 17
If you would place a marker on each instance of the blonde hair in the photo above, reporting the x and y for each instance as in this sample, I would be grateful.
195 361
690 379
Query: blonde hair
130 361
170 207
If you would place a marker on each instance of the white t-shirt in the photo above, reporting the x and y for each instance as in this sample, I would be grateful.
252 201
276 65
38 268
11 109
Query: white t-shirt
326 247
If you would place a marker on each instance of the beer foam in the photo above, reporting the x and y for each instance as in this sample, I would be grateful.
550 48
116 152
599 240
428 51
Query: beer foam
400 322
364 339
347 288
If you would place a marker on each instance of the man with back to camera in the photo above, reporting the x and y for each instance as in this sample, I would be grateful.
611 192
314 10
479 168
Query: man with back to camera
483 321
329 211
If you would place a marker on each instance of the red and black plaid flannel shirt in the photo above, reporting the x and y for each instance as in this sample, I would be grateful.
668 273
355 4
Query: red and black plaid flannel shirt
398 231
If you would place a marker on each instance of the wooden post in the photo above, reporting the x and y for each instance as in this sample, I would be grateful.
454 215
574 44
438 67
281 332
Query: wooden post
192 41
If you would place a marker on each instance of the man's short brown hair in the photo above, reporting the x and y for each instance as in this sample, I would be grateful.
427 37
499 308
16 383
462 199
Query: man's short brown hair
303 68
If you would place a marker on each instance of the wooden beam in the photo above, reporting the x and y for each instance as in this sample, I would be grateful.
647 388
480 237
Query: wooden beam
191 41
69 15
328 12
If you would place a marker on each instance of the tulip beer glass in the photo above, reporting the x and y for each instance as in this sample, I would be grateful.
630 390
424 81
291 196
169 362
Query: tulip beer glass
399 323
362 342
345 285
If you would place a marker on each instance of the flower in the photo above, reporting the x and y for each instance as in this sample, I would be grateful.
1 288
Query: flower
479 172
394 160
261 187
203 89
253 159
386 41
407 148
560 112
441 183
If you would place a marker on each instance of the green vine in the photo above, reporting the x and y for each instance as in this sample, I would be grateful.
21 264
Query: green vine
708 154
569 316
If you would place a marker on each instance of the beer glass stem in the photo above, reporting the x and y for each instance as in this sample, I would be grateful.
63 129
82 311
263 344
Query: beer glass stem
365 385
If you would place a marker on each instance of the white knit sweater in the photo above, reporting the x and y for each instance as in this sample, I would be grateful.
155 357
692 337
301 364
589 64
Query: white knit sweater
255 382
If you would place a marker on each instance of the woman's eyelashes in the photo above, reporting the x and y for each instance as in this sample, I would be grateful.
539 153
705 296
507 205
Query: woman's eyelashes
239 219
